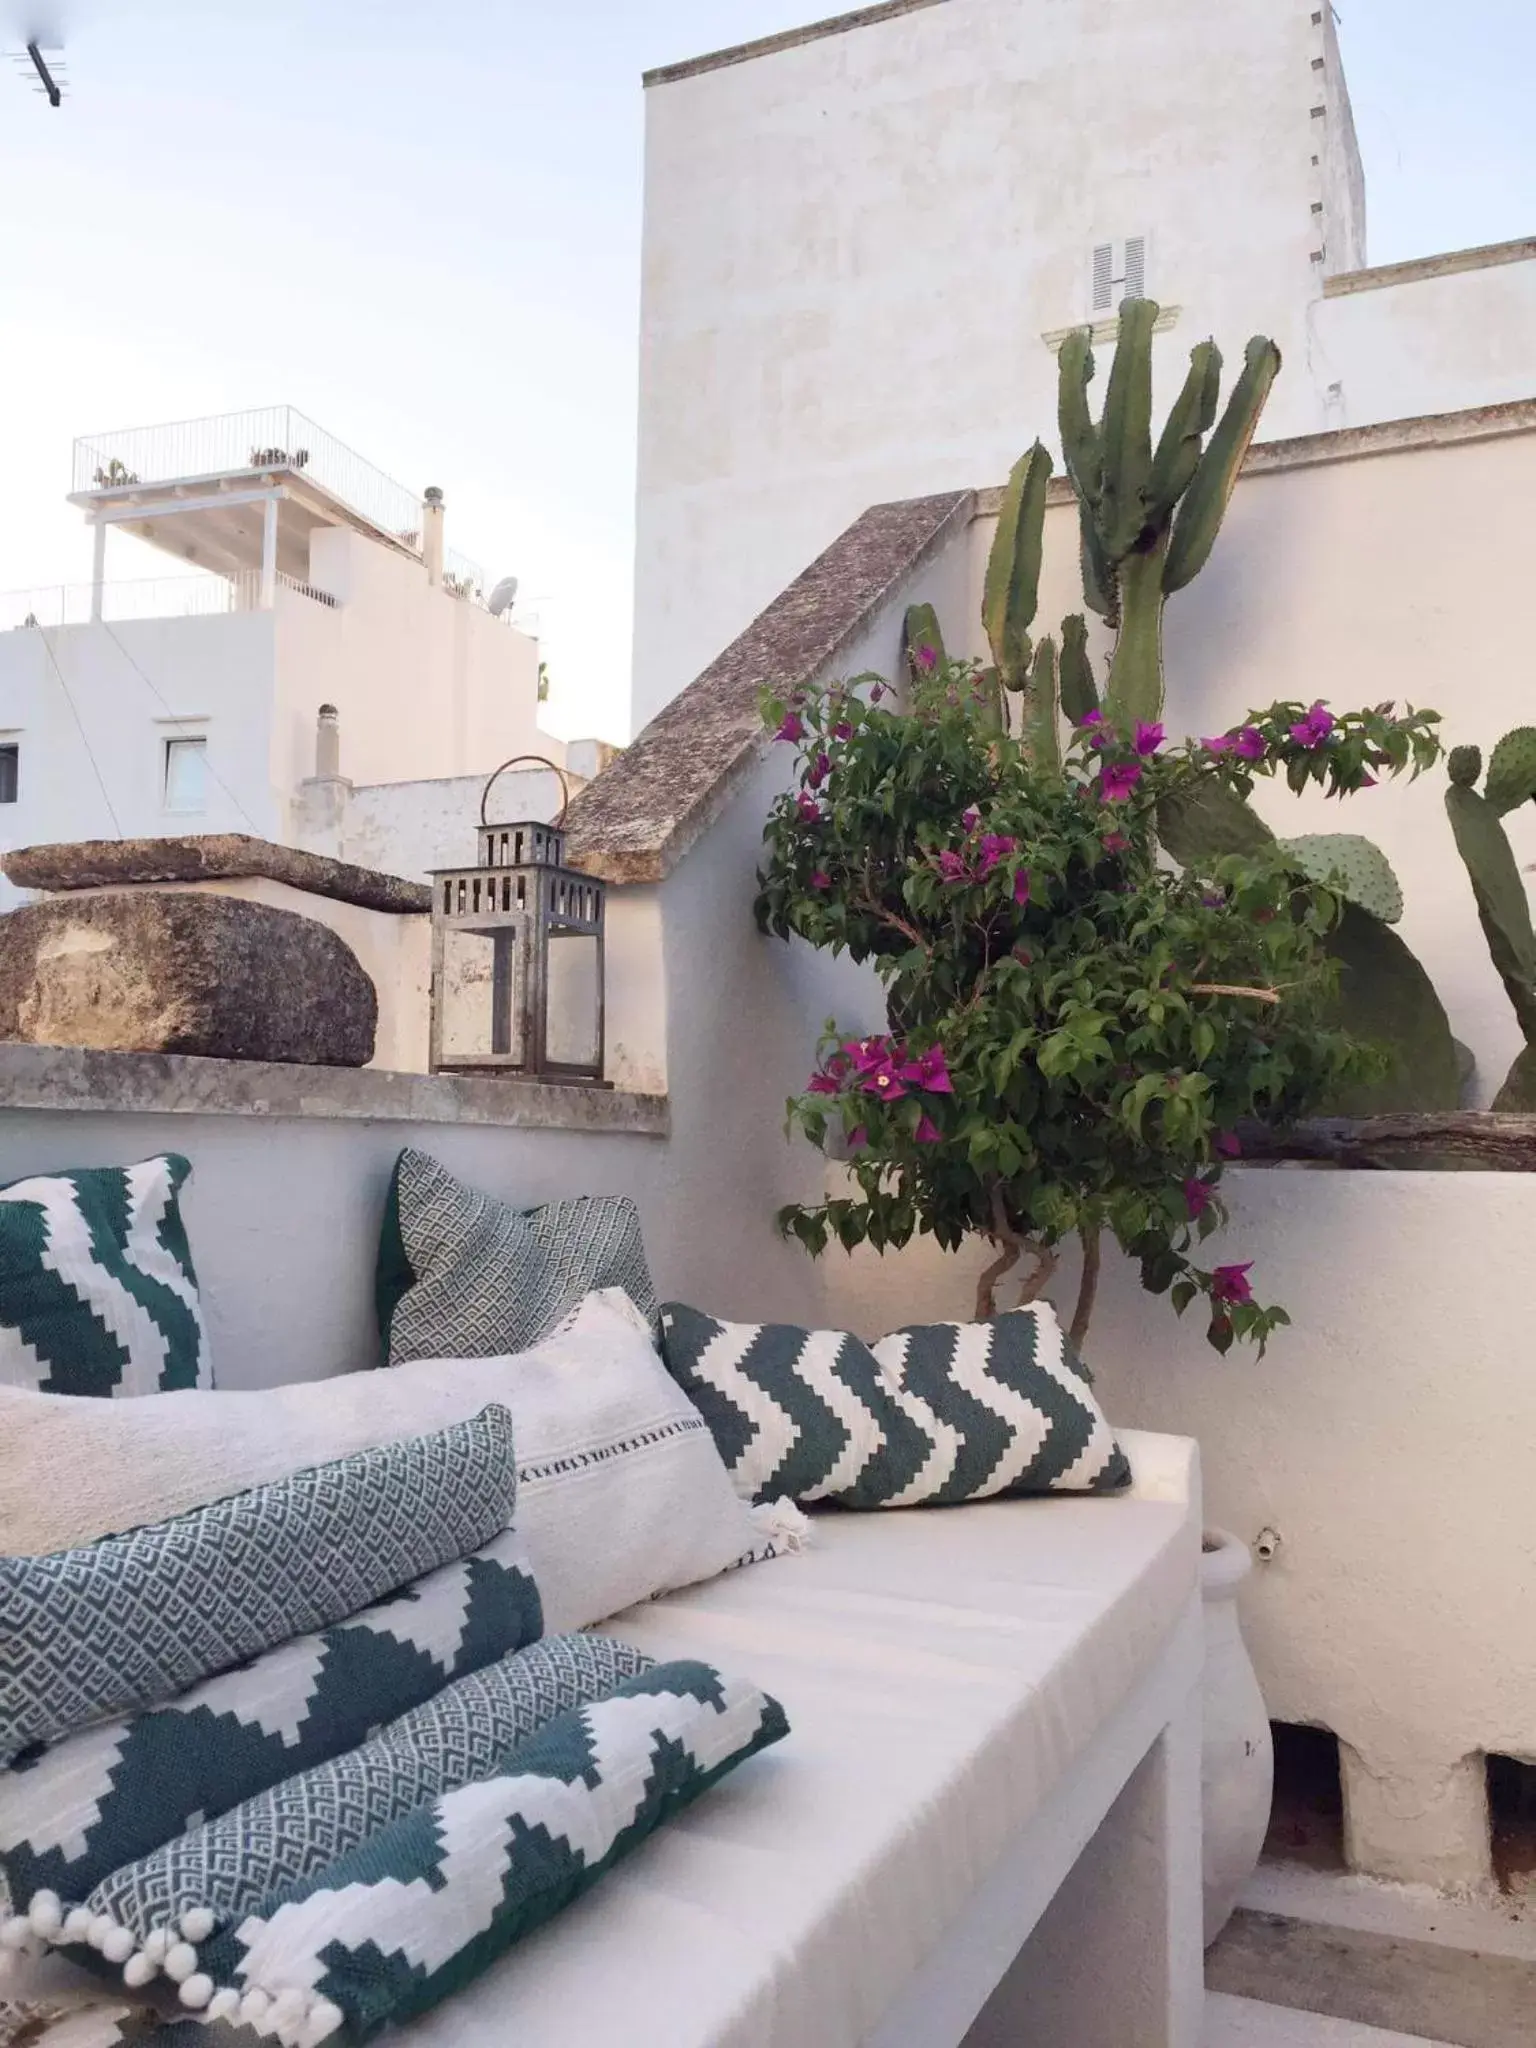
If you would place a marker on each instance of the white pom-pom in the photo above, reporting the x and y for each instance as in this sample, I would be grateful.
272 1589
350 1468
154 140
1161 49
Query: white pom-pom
224 2005
46 1914
324 2020
77 1924
102 1925
198 1923
16 1933
197 1991
157 1945
118 1946
180 1962
139 1971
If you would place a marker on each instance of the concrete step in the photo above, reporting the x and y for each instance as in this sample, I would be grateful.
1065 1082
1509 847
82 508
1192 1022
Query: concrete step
1241 2023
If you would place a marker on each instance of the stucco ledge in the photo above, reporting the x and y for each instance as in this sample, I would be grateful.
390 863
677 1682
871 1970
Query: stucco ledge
72 1078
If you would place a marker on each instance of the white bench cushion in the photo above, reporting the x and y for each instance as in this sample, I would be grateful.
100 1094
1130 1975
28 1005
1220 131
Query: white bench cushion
942 1670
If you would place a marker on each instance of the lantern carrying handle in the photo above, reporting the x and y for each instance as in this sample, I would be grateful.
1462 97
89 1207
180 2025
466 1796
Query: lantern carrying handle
542 761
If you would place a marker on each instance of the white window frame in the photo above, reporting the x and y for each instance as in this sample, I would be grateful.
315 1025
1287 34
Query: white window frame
10 743
184 745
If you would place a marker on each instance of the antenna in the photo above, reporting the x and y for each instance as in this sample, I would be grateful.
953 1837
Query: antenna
48 70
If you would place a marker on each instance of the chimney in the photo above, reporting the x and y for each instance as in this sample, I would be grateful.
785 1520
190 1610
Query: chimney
432 534
327 745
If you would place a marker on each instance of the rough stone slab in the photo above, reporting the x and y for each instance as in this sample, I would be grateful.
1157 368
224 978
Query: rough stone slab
159 1084
209 857
1417 1988
788 39
151 970
641 815
1435 1141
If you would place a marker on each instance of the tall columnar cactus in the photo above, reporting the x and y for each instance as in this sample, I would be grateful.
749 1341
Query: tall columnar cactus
1149 516
1503 908
1010 598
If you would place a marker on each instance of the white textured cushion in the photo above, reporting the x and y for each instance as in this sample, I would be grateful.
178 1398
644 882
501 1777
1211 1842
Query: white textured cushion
621 1492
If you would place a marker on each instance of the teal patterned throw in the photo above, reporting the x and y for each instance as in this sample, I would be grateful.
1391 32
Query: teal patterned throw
97 1291
133 1620
927 1417
113 1793
397 1925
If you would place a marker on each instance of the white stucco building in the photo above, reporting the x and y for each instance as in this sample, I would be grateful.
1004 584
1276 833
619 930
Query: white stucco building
863 240
301 577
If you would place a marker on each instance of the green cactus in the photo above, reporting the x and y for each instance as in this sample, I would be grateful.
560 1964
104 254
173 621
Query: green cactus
1386 999
1503 908
1149 516
920 639
1512 771
1358 870
1041 739
1079 690
1012 589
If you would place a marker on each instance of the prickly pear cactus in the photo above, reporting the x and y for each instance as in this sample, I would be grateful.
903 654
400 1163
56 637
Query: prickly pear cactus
1512 770
1464 765
1357 869
1208 821
1387 999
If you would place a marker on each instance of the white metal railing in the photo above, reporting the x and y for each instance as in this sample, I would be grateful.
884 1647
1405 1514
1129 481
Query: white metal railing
463 577
155 597
270 438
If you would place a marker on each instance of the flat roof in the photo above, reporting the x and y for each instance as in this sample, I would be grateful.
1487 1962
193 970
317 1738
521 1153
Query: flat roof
789 39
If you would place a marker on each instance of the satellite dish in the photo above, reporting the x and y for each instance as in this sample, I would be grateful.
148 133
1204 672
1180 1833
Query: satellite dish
502 596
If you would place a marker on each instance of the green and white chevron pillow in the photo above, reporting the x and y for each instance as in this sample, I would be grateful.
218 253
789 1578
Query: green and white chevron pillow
117 1791
927 1417
389 1929
97 1291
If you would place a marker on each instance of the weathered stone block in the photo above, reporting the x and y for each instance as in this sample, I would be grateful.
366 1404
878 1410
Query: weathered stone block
168 970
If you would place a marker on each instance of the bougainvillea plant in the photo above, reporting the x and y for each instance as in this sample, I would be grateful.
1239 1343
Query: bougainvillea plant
1075 1029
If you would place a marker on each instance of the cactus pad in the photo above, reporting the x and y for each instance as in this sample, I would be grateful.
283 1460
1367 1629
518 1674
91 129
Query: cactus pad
1358 870
1386 998
1464 765
1512 770
1208 821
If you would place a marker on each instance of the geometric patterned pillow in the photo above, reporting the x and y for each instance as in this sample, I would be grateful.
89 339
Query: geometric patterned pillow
133 1620
926 1417
97 1291
431 1901
72 1814
299 1828
461 1275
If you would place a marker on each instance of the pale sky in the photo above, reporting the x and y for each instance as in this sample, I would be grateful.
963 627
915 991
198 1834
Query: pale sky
420 225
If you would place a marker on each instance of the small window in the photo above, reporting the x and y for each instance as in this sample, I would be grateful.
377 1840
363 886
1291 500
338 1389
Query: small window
1119 272
186 775
10 774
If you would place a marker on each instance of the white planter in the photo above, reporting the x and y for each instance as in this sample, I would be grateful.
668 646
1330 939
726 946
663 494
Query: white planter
1237 1764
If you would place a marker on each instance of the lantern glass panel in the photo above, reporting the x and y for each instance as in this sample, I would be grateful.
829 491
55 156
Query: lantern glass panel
478 998
575 998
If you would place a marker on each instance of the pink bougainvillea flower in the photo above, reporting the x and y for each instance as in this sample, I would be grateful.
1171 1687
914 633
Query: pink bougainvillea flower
994 847
1198 1196
821 1084
842 730
792 729
809 809
1116 842
1367 781
927 660
1249 744
821 768
1090 720
1119 780
953 868
1148 738
1230 1283
886 1083
858 1139
1021 887
821 879
867 1055
1312 730
1223 743
1227 1145
929 1072
877 691
927 1132
970 819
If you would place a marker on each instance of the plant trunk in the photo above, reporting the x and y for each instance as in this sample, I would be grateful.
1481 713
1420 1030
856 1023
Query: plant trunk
1088 1286
1135 687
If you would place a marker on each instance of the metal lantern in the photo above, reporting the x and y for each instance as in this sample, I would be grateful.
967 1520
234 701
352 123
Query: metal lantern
517 955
